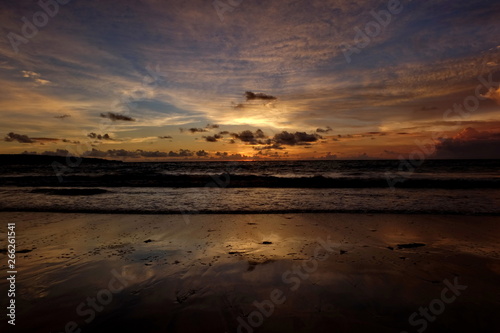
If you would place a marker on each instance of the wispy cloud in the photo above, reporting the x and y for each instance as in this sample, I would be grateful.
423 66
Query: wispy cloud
36 77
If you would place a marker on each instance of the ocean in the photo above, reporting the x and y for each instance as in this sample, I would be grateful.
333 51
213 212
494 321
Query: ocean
390 186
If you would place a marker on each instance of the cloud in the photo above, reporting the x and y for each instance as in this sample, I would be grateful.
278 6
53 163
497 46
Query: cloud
493 94
165 137
269 147
181 153
11 137
69 141
35 77
110 153
202 153
58 152
213 138
45 139
250 96
123 153
268 154
193 130
253 138
328 129
62 116
284 138
297 138
238 106
99 136
227 156
116 116
469 144
151 154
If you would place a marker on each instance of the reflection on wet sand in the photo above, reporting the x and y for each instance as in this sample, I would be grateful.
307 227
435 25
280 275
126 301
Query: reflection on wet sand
245 273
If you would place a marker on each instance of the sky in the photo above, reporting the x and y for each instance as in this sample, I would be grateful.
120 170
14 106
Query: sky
239 79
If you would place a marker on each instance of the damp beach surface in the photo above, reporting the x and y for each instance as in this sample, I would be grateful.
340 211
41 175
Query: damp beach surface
263 272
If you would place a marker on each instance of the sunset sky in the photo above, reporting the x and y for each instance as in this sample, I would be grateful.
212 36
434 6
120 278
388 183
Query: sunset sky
232 79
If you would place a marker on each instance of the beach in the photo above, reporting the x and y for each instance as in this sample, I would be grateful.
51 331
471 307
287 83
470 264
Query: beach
235 166
318 272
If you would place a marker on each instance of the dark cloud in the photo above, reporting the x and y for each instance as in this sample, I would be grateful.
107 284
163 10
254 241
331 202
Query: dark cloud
328 129
193 130
469 144
116 116
165 137
122 153
11 137
284 138
58 152
150 154
99 136
213 138
268 154
202 153
111 153
253 138
297 138
250 96
226 156
224 133
62 116
69 141
198 129
181 153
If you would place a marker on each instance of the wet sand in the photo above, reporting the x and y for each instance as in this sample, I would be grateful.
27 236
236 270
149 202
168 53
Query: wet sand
254 273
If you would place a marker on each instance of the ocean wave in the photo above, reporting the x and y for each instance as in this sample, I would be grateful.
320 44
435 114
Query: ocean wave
226 180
